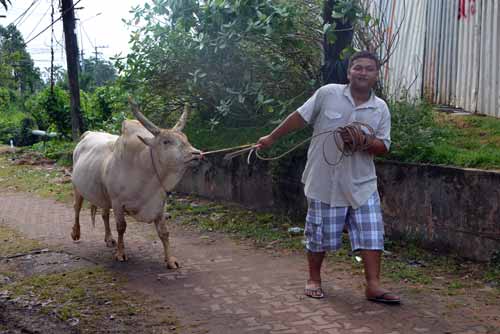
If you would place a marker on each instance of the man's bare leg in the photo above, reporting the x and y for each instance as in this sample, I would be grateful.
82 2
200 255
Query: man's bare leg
371 262
313 285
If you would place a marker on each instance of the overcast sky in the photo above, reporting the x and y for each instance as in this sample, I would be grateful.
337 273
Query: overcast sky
100 25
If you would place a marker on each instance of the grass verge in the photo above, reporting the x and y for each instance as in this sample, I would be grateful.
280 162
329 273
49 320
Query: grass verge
91 299
46 181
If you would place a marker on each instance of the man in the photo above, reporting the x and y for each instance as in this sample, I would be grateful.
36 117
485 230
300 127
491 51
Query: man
343 190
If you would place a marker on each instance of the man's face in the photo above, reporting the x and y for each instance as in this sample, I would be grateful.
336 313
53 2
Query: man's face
363 74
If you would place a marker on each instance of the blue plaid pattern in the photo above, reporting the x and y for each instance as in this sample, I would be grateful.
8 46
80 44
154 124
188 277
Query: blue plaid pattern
324 225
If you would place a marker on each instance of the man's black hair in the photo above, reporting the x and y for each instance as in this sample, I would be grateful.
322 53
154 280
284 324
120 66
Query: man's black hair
364 54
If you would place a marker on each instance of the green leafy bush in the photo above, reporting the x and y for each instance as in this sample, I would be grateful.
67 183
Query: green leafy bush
59 150
16 126
51 111
415 134
105 108
240 62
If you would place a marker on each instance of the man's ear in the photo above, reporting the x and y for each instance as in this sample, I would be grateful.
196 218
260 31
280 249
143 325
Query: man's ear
146 141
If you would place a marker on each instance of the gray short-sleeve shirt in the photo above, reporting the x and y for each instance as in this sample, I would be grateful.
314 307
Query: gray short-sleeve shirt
353 180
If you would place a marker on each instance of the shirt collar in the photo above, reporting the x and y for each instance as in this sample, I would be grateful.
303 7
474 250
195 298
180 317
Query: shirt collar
368 104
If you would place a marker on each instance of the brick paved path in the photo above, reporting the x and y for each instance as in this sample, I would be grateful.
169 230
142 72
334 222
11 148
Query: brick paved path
225 287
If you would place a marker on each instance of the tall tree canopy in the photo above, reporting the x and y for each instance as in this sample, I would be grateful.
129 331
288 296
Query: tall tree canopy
17 69
96 73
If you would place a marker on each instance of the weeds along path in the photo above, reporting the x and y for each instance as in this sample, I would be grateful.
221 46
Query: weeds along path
226 286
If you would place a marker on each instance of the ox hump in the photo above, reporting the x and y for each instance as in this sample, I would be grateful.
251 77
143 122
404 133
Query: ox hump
132 128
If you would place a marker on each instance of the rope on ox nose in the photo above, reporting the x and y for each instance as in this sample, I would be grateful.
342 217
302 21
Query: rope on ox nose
359 137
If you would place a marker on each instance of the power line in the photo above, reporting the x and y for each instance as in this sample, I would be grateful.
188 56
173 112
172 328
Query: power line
60 17
40 21
88 38
26 17
23 13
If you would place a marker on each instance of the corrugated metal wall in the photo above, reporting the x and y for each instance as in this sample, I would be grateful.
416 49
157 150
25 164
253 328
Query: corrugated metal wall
405 21
489 73
448 52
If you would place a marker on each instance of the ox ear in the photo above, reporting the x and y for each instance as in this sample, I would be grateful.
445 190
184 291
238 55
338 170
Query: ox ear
146 141
142 119
182 121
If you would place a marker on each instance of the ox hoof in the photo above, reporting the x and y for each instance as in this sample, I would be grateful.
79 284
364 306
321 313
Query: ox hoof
172 263
121 257
110 243
75 236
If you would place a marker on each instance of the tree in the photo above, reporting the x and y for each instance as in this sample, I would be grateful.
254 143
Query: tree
4 3
17 69
238 61
338 17
96 73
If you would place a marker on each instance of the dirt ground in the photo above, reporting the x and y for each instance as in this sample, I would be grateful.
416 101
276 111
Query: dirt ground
224 286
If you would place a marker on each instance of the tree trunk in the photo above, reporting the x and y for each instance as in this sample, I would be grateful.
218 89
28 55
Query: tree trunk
334 69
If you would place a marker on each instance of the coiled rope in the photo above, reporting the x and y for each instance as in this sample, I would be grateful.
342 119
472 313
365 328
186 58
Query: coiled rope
359 136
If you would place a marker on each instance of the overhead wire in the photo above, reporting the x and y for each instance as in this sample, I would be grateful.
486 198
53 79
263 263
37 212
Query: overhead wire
23 13
40 21
56 20
88 38
26 17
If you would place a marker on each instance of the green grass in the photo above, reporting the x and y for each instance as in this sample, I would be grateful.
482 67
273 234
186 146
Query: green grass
422 135
12 243
264 228
73 294
471 141
40 181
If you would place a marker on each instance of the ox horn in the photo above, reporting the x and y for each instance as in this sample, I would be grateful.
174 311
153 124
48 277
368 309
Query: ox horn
182 121
142 119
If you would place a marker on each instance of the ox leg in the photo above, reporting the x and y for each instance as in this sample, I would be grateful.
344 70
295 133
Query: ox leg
108 237
75 233
163 233
121 226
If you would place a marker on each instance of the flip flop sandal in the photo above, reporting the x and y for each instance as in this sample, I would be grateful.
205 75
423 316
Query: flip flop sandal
381 299
316 293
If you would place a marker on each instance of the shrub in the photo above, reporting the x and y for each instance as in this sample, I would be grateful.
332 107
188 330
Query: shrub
51 110
415 134
59 150
16 126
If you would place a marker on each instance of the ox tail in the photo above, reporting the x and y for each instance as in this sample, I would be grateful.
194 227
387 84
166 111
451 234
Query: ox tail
93 211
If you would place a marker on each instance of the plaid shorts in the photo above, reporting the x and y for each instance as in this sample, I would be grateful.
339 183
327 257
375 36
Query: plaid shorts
324 225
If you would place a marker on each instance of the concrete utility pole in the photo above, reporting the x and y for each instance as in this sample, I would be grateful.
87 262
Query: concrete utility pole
72 62
97 53
52 48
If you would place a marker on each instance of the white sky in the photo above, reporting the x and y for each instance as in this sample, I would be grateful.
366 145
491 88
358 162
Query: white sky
93 29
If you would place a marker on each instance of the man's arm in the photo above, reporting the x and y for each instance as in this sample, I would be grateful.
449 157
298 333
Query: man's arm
293 122
377 147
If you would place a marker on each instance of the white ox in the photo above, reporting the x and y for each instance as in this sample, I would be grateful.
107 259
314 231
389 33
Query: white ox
130 174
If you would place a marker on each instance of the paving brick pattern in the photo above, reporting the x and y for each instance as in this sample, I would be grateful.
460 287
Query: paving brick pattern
225 287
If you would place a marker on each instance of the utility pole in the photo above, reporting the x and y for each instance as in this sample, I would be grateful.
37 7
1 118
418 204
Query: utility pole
72 62
96 59
82 58
52 49
97 52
